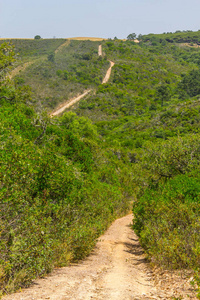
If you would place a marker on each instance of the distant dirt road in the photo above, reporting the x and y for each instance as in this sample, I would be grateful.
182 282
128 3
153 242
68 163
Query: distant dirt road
69 103
100 50
20 68
72 101
107 77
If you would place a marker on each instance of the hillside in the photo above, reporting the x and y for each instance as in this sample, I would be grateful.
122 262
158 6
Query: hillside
133 140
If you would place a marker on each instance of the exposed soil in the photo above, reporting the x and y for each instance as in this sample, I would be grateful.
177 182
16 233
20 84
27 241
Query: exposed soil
107 77
116 269
100 50
193 45
69 103
20 68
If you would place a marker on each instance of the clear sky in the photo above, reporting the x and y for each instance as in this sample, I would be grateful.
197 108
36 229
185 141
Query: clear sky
96 18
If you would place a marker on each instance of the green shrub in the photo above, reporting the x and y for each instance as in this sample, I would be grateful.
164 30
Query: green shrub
167 221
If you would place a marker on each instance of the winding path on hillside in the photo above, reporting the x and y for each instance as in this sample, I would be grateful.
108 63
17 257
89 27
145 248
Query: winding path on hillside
69 103
74 100
108 74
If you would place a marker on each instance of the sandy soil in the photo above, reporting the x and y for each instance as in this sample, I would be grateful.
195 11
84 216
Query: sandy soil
100 50
107 77
116 270
69 103
189 45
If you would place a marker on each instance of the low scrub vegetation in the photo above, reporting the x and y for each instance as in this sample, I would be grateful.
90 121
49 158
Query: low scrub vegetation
60 187
65 179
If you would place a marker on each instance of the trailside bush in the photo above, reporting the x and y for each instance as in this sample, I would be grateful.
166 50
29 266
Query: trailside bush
167 221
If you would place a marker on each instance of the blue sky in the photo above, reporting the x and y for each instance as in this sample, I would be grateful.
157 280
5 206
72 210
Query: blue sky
97 18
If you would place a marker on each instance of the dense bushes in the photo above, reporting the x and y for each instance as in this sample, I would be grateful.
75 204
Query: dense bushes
57 195
167 221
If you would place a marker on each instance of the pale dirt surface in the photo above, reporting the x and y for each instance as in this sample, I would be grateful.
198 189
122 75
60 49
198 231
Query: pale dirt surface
69 103
100 50
189 45
107 77
20 68
115 270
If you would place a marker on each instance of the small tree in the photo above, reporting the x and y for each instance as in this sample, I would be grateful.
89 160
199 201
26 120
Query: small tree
131 36
51 57
37 37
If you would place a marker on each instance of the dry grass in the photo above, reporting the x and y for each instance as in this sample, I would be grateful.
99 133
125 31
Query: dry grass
94 39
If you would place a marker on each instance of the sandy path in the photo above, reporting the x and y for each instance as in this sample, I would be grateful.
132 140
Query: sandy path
115 270
70 103
20 68
100 50
107 77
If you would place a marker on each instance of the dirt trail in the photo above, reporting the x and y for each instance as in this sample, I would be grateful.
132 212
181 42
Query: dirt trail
20 68
72 101
107 77
69 103
100 50
115 270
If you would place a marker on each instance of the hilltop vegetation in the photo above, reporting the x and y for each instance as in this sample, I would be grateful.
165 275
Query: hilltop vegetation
65 179
187 36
